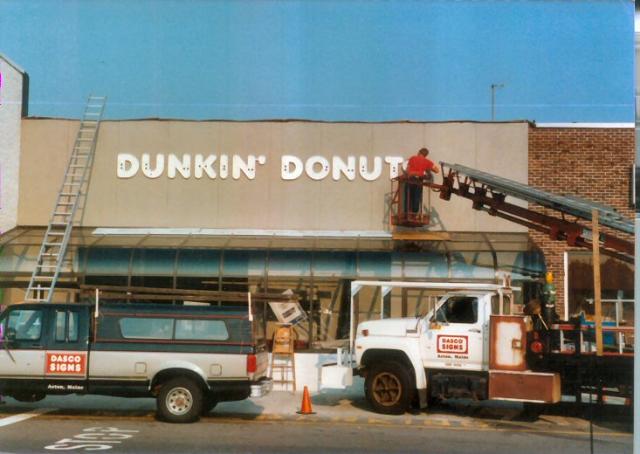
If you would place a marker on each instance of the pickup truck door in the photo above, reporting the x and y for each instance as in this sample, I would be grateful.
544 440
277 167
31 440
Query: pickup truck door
452 337
22 348
67 345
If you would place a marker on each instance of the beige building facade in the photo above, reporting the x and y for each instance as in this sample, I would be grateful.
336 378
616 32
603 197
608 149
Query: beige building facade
259 175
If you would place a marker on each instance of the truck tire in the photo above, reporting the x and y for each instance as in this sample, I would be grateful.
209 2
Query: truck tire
388 388
179 401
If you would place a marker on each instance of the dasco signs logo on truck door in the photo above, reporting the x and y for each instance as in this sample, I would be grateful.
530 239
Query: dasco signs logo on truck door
453 344
66 363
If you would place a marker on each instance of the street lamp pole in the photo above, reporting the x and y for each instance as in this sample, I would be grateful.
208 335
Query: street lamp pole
494 87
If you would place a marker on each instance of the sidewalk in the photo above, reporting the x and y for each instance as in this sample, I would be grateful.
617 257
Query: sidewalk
350 407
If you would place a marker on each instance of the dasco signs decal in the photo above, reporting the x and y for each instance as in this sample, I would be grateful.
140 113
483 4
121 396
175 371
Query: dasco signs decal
66 363
199 166
453 344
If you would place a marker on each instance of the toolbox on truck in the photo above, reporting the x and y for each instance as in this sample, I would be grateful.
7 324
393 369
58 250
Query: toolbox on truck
524 386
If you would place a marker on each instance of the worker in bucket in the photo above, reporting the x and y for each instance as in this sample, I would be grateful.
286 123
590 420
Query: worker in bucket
419 170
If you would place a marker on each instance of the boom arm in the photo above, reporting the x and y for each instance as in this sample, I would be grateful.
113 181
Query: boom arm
489 192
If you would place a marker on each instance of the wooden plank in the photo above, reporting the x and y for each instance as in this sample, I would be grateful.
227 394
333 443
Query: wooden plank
596 281
421 236
212 294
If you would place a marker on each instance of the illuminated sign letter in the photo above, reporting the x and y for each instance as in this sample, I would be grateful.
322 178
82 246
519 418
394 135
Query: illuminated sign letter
395 164
202 165
364 168
347 168
146 165
181 166
312 163
248 168
224 166
128 165
291 167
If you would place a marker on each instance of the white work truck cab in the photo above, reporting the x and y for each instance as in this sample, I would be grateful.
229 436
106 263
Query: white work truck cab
469 345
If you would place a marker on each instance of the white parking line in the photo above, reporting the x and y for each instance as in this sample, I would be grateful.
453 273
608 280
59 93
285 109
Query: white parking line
24 416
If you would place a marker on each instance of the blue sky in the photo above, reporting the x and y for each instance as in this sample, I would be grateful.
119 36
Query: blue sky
559 61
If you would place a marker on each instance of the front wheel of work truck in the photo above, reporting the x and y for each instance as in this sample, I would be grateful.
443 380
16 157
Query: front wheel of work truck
179 401
388 388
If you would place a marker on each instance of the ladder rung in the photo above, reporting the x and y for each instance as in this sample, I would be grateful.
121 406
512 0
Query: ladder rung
56 233
61 214
50 254
71 184
66 204
77 166
68 193
84 139
47 266
43 278
58 223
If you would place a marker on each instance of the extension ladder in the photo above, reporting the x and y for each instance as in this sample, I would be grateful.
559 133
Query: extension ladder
51 257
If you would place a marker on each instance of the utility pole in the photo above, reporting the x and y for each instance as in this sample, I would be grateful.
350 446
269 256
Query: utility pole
494 87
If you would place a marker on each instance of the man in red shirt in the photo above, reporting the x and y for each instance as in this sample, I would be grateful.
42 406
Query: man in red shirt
419 169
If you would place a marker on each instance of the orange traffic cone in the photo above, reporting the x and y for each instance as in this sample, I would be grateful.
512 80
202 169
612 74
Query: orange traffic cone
305 408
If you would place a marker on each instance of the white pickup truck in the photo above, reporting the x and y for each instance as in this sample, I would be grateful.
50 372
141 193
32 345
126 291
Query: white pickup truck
188 357
469 345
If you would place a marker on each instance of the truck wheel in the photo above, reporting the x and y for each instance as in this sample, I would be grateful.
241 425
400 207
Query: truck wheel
387 388
179 401
209 403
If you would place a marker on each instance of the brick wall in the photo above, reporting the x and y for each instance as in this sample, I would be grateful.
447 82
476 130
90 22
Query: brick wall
594 163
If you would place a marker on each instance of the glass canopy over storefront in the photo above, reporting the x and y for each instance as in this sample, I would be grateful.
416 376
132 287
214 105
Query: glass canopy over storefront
316 269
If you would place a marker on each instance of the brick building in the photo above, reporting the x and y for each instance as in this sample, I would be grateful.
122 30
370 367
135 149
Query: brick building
593 163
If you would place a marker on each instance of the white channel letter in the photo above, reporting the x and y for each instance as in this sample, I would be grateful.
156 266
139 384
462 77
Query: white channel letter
394 165
128 165
347 168
364 168
224 166
146 165
312 163
202 166
181 166
248 168
291 167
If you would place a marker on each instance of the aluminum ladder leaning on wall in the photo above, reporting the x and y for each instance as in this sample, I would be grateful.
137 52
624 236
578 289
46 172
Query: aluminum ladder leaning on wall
56 239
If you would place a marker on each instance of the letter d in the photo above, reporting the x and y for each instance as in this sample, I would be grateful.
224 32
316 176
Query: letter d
128 165
291 167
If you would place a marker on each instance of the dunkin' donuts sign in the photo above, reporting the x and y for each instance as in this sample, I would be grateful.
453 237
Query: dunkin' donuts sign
223 166
453 344
66 363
